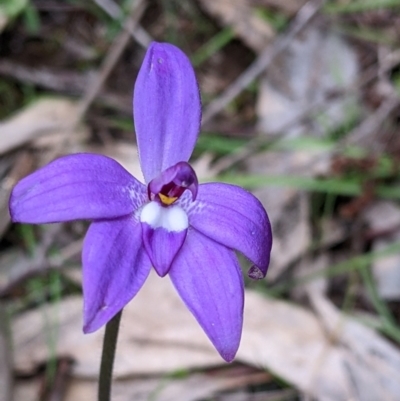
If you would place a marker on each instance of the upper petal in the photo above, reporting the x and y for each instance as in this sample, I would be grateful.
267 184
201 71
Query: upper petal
235 218
208 278
166 109
115 266
80 186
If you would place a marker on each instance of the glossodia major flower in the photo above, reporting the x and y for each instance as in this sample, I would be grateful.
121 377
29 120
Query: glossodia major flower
183 229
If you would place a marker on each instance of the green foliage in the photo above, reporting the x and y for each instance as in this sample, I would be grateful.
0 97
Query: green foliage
217 144
216 43
355 6
11 8
31 19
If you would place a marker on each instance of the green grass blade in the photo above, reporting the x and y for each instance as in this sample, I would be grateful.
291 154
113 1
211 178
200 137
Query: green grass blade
216 43
359 6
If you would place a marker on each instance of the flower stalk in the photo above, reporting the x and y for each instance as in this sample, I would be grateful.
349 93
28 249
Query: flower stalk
107 358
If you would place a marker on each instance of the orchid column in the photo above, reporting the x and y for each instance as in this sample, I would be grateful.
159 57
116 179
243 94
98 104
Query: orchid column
183 229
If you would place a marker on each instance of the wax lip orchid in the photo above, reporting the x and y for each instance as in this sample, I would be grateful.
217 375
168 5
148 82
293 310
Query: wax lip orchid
183 229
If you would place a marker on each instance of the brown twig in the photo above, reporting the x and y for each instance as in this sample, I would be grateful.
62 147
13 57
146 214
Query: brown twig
303 17
92 90
65 81
116 50
40 263
373 122
71 83
114 11
254 145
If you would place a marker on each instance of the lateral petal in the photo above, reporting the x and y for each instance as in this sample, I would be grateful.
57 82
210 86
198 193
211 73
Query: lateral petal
235 218
208 278
166 109
80 186
115 266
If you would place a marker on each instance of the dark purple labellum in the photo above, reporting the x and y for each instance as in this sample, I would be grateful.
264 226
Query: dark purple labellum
172 183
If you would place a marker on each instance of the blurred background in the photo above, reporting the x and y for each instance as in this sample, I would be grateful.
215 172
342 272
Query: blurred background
300 106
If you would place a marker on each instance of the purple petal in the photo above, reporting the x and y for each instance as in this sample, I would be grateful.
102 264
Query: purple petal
115 266
166 109
235 218
207 276
162 246
80 186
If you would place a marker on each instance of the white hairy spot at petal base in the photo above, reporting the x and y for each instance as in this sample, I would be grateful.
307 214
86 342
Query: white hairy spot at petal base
171 218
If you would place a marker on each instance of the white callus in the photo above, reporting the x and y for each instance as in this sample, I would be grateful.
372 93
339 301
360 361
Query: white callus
171 218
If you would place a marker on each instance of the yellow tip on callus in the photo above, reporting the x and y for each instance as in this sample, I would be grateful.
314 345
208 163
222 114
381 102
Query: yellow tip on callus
166 200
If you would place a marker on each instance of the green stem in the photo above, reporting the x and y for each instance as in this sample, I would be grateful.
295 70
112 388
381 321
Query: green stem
107 357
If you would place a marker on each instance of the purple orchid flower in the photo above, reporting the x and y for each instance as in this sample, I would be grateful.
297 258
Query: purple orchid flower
172 223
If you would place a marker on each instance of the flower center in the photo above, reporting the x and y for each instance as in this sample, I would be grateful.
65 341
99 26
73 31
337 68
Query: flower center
169 186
